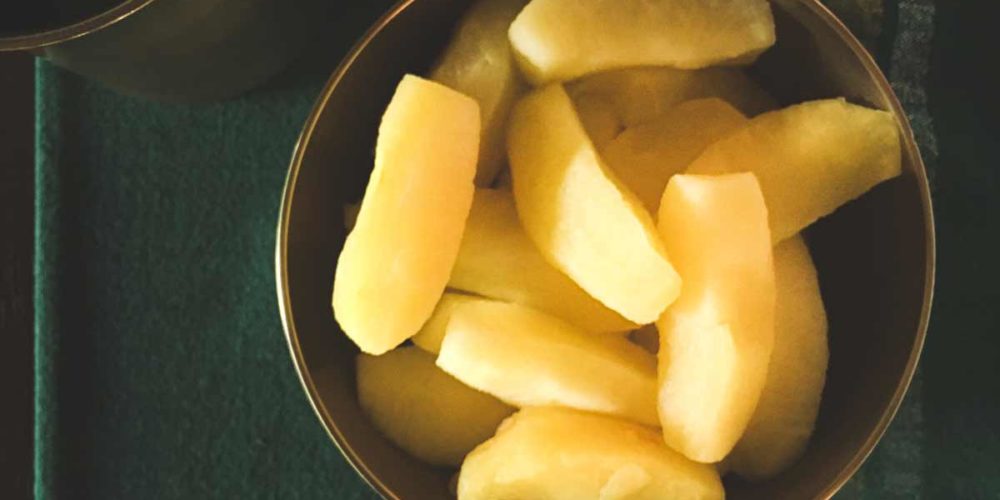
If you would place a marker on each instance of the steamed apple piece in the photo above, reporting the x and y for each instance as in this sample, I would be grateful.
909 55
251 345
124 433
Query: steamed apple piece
645 156
430 336
498 260
562 454
810 158
716 340
786 414
528 358
397 260
638 95
580 216
422 409
557 40
478 62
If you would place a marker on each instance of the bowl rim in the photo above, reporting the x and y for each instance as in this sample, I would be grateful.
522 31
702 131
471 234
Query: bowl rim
75 30
298 154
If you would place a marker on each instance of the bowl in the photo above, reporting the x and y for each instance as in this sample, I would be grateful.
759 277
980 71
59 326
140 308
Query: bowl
171 50
875 256
43 23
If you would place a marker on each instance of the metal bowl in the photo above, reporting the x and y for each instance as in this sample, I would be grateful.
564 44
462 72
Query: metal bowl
40 24
173 50
875 256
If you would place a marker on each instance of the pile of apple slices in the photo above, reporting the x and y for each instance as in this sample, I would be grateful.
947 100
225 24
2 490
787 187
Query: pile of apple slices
593 240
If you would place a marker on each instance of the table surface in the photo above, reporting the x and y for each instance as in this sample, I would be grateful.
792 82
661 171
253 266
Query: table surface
957 425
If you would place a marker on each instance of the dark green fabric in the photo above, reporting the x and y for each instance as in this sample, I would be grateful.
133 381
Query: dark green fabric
162 370
161 367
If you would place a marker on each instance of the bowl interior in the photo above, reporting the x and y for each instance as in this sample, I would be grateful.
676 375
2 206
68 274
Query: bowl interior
875 255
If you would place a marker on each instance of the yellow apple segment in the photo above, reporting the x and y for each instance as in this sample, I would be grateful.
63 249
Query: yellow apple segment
716 340
422 409
498 260
563 454
430 336
397 259
640 94
528 358
809 158
581 217
557 40
645 156
786 414
478 62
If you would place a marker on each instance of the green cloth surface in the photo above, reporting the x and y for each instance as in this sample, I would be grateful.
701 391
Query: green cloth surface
162 370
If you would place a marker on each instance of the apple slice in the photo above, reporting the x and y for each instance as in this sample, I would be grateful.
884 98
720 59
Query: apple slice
580 215
528 358
396 262
498 260
716 340
786 414
809 158
558 453
422 409
638 95
478 62
430 336
556 40
645 156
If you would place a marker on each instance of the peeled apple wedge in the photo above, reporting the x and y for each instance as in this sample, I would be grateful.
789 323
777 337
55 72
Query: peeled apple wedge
716 340
397 260
581 217
557 40
638 95
645 156
809 158
422 409
430 336
528 358
498 260
563 454
786 414
478 62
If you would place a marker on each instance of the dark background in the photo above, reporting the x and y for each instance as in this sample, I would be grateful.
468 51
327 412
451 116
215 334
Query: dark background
961 361
17 135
